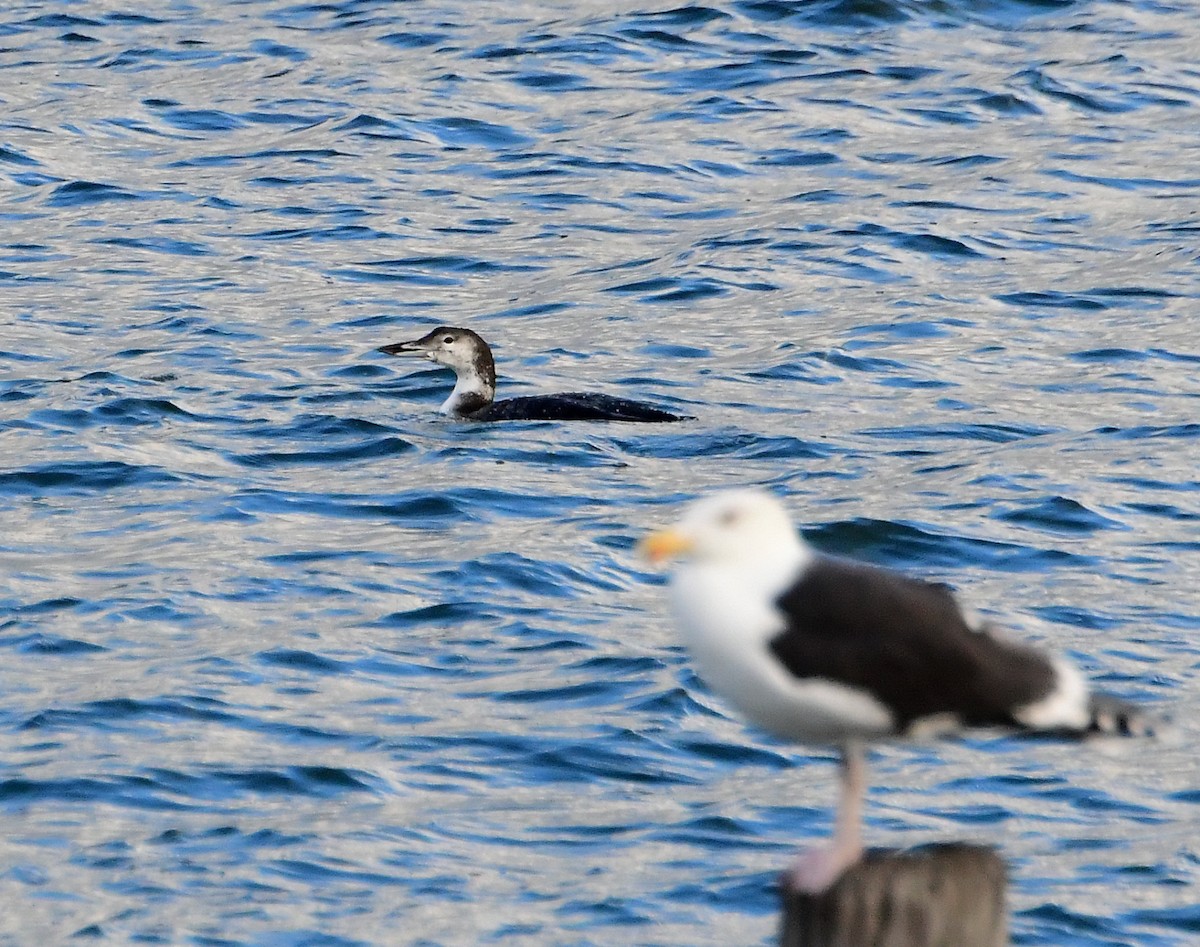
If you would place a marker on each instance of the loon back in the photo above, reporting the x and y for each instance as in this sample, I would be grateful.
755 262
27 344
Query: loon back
572 406
475 386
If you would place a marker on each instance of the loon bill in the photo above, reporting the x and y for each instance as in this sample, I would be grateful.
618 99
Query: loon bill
475 386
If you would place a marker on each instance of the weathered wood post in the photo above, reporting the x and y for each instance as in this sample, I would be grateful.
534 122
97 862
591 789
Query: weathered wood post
943 895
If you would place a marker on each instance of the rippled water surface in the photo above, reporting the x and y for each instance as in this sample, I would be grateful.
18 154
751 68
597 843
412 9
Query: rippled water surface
289 659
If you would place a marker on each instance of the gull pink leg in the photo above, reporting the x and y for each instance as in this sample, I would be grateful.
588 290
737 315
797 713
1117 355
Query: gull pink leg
816 869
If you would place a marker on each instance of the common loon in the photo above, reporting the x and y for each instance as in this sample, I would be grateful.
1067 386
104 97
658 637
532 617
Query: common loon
475 386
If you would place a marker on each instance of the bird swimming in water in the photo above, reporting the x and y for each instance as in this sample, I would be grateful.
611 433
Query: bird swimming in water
819 649
475 386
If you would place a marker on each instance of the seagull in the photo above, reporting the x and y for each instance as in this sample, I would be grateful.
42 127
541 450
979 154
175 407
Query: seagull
475 386
817 649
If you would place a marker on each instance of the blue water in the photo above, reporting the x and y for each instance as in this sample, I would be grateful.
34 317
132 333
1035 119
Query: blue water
287 659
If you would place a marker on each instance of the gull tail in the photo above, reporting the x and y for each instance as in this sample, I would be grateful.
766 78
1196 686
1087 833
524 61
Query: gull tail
1108 714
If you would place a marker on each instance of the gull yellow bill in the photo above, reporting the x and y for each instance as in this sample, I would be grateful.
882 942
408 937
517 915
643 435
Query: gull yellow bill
665 544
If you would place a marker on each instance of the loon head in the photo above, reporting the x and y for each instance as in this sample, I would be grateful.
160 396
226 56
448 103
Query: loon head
460 349
466 353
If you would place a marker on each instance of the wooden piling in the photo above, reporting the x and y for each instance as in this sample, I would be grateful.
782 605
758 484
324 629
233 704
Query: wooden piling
943 895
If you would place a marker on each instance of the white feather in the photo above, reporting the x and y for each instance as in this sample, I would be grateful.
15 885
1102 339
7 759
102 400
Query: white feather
1066 706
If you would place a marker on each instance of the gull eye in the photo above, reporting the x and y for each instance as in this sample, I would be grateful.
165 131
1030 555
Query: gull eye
729 518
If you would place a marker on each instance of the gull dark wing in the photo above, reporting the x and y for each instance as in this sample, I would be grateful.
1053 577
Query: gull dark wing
572 406
906 643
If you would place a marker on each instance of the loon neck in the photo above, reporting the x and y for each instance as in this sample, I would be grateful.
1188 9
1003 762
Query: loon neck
474 381
469 395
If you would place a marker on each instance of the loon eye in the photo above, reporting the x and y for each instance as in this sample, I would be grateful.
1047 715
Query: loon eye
448 339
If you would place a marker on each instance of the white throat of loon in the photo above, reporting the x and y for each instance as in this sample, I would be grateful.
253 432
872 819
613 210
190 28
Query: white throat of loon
469 356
